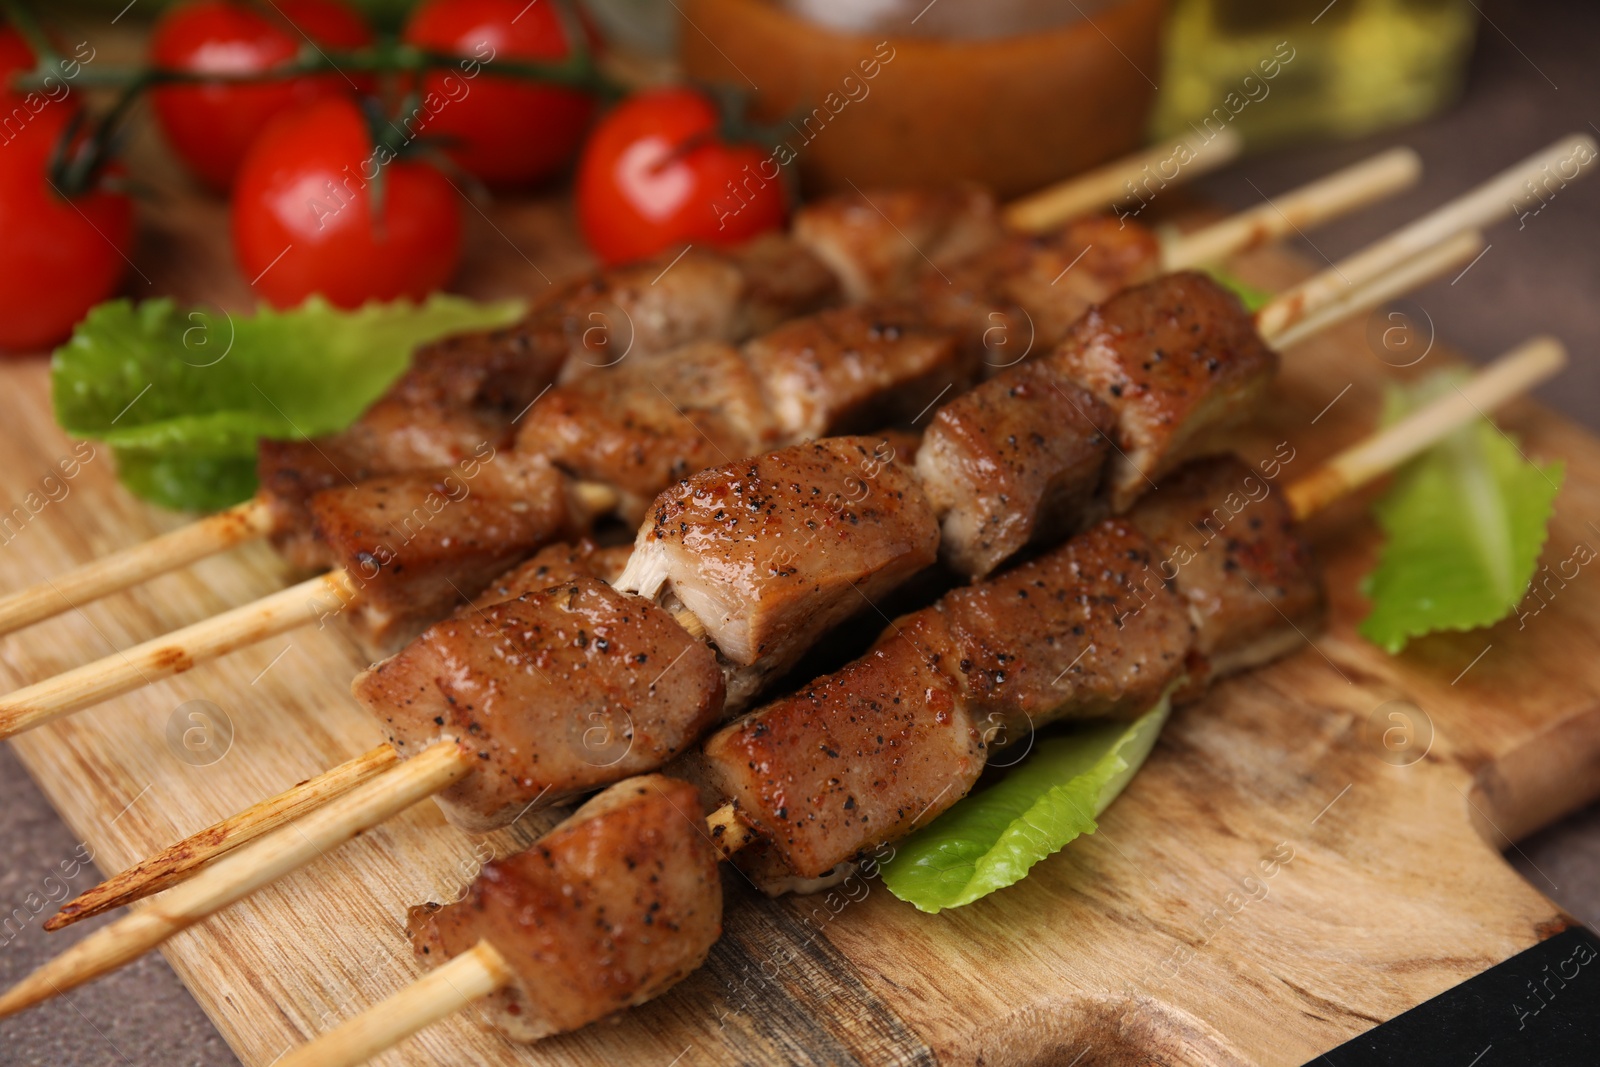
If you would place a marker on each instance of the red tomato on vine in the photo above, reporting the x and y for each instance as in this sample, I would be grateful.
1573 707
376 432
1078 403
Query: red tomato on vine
657 172
59 256
210 127
505 130
318 208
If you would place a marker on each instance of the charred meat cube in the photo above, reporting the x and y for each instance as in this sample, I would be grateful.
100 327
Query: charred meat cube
611 908
1227 540
705 294
771 552
879 241
862 756
1178 361
554 565
1019 296
1084 631
612 316
391 438
855 369
418 544
1058 276
558 692
782 279
1016 459
495 372
652 421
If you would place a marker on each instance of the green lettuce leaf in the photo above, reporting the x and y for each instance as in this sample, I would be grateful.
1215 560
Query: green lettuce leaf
182 396
1253 299
990 839
1463 526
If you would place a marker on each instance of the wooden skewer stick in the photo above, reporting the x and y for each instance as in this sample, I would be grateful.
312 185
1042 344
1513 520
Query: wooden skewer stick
1102 188
485 970
238 875
177 863
1419 270
439 765
437 995
135 564
1310 205
1472 210
122 570
1415 273
311 601
174 653
1511 375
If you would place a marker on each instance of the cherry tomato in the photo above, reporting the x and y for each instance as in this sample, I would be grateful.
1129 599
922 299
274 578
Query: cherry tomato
303 219
15 57
656 173
58 257
505 130
211 126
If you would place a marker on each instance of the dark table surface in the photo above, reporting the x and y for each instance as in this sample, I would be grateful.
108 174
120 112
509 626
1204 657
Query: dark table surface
1533 78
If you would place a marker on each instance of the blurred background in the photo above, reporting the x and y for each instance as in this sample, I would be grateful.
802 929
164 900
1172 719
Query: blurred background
1015 93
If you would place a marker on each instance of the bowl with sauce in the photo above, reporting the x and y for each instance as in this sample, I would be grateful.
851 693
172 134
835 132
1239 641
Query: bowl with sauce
1011 93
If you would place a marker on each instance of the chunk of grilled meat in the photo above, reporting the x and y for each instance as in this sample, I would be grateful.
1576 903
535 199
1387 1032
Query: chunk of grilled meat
1178 361
855 370
416 545
1228 541
393 436
858 757
704 295
1064 636
878 242
609 909
771 552
1080 632
653 420
783 278
1019 458
1164 369
1017 297
554 565
558 692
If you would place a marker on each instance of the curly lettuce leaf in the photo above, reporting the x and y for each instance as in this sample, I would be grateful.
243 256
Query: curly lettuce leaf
1463 527
991 839
183 396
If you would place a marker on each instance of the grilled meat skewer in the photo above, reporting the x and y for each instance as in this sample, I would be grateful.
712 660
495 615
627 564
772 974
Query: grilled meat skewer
1109 562
874 750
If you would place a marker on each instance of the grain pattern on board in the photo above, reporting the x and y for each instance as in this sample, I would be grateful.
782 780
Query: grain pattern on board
1271 885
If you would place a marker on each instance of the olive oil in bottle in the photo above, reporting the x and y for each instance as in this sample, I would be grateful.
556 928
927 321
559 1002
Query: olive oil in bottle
1276 71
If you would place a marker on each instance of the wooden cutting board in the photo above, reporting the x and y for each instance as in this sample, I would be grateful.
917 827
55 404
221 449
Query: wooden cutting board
1295 865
